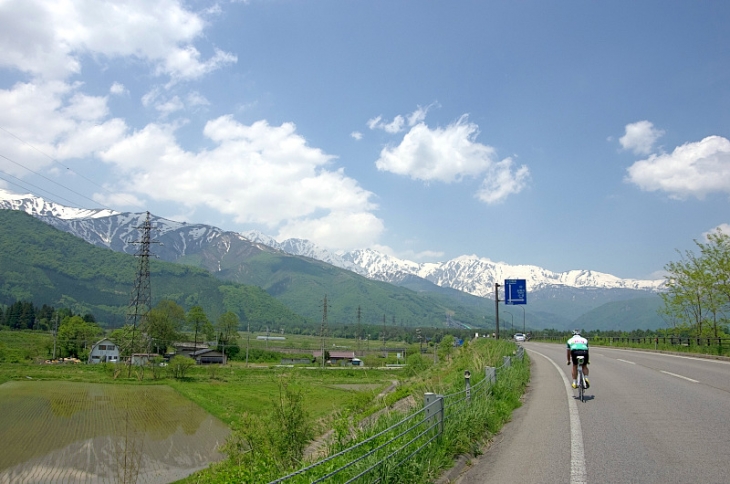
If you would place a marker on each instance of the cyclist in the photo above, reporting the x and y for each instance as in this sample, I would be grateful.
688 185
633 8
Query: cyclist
578 346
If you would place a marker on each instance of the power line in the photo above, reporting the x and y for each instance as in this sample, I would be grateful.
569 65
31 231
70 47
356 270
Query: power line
131 202
19 183
54 182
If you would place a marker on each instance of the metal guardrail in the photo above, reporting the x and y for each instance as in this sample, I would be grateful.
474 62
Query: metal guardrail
401 441
664 340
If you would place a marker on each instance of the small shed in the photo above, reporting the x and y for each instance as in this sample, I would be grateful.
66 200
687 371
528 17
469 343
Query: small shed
104 351
141 359
209 356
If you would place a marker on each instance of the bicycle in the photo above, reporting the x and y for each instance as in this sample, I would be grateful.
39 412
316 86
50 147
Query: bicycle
581 379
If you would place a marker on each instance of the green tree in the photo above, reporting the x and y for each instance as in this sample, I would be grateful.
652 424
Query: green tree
75 336
125 337
227 328
446 346
199 324
698 287
164 324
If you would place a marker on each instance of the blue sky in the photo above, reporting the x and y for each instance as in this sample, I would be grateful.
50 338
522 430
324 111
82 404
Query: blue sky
568 135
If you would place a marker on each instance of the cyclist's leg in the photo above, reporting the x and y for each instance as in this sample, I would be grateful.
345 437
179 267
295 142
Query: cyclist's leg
575 364
585 365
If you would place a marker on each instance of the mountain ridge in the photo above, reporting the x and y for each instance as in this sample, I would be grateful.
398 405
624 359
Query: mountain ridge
468 273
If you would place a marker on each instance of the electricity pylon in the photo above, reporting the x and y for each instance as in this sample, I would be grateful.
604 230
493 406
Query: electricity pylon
140 301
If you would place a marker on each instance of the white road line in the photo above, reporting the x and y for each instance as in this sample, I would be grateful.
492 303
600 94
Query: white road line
722 362
679 376
626 361
578 473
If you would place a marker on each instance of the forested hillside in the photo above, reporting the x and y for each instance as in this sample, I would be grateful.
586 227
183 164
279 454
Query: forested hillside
46 266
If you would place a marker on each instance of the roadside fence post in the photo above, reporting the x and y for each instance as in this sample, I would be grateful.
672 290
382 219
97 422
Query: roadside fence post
506 361
491 373
467 377
434 410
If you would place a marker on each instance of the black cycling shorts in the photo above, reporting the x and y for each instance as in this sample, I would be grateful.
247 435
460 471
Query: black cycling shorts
574 354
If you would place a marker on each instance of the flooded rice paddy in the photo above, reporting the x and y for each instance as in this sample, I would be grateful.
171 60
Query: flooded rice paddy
64 432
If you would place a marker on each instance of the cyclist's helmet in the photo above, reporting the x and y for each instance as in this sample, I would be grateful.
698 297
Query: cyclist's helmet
576 332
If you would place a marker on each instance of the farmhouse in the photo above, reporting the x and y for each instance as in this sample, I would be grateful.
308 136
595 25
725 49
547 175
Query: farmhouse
337 356
209 356
104 351
187 349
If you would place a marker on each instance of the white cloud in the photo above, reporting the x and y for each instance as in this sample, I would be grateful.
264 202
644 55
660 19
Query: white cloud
724 228
399 122
423 256
338 230
693 169
502 181
119 199
393 127
47 38
257 173
194 98
640 137
53 120
170 106
356 135
449 155
118 89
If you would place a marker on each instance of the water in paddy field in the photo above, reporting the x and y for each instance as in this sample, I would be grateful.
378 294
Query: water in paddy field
54 432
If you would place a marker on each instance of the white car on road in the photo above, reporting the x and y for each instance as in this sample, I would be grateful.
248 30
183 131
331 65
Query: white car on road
519 337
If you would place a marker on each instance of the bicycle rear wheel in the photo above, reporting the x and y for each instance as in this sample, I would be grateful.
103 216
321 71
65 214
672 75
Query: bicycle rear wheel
581 386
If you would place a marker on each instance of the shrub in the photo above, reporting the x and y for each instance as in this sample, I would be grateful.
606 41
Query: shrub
179 365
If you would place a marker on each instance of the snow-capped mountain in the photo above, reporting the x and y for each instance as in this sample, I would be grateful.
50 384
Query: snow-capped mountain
477 275
472 274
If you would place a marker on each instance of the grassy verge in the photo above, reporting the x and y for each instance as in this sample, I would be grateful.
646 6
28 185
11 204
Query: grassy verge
467 425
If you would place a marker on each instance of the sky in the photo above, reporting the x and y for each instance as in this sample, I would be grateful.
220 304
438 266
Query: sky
567 135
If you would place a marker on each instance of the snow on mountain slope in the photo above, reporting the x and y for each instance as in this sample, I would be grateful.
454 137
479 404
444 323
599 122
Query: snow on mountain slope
468 273
38 206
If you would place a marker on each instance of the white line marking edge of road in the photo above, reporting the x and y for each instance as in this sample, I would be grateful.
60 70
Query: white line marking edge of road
578 473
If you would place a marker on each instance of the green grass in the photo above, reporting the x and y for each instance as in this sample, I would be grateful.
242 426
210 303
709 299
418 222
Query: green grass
237 393
468 427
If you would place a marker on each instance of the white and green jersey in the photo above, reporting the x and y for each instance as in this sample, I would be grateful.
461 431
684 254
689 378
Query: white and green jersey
577 342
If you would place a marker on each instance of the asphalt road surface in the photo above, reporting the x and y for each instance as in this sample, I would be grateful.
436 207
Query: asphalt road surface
649 418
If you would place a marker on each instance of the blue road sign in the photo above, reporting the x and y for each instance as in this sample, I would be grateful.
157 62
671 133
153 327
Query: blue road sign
515 291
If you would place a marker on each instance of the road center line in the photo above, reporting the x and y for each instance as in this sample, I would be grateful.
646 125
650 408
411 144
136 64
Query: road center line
626 361
679 376
578 473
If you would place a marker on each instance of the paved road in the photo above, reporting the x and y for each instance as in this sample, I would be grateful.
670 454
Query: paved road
650 418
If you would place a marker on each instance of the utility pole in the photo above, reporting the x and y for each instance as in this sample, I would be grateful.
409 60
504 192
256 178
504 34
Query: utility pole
385 353
248 340
323 328
496 307
55 335
359 331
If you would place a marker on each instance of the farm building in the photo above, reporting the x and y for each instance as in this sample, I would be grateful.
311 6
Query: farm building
142 359
337 356
209 356
187 349
104 351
